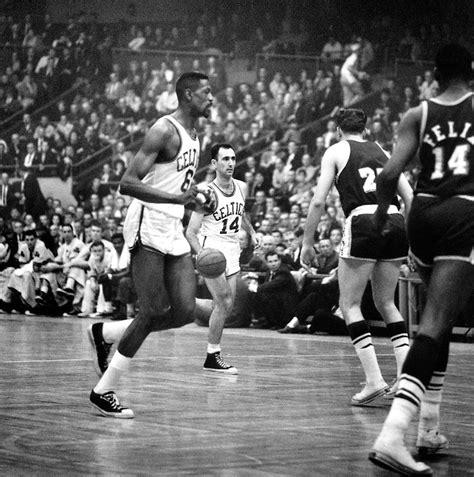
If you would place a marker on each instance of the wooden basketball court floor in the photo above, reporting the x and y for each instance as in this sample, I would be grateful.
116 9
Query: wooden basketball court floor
287 413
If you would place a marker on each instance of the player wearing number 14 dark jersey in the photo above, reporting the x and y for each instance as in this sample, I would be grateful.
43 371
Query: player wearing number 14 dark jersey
441 236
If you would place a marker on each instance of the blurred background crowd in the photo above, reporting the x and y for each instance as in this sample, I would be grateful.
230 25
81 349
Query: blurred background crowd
78 95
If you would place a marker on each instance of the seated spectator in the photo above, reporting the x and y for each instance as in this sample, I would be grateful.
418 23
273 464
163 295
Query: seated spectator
275 300
109 130
28 91
322 306
167 101
97 265
55 273
117 284
430 87
76 270
331 135
24 281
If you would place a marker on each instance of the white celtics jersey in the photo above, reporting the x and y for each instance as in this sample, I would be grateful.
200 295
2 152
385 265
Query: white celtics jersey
224 224
175 176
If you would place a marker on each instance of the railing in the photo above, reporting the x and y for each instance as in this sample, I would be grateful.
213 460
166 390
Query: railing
123 56
289 64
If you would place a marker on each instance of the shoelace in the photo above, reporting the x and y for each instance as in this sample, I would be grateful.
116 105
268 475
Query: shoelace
112 399
221 362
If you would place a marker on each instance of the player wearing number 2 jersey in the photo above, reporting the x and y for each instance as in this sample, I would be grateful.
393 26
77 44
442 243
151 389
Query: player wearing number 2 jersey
160 180
220 229
353 164
441 236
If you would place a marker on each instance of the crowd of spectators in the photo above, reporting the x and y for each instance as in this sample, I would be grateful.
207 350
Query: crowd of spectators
71 260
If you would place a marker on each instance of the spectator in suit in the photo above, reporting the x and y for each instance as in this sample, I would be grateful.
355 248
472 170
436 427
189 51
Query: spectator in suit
114 89
46 157
275 299
30 159
27 129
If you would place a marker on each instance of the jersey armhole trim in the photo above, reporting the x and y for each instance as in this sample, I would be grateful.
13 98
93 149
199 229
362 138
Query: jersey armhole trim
424 118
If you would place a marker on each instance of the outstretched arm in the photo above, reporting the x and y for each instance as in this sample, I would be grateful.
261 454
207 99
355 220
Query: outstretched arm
317 205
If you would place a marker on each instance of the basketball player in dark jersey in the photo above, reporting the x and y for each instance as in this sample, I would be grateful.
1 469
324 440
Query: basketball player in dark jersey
441 235
353 163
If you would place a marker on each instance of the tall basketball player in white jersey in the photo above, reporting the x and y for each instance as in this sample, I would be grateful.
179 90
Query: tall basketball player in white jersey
220 230
160 181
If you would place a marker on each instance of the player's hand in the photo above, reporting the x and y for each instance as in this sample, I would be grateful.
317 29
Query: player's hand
256 241
380 221
188 197
307 257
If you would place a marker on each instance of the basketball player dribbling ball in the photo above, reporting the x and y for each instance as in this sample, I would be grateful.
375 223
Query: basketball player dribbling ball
353 163
219 229
159 179
441 236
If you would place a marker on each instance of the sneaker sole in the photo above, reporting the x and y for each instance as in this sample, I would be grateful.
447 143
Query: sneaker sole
114 415
95 360
386 462
371 397
425 450
222 371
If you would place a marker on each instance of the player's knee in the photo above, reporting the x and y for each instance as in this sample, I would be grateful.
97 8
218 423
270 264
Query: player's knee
384 307
346 304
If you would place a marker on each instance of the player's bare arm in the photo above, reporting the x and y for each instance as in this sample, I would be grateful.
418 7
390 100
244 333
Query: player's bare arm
246 223
160 142
318 202
405 150
192 231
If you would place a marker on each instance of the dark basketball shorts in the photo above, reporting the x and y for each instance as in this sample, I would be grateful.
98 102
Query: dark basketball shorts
362 241
441 229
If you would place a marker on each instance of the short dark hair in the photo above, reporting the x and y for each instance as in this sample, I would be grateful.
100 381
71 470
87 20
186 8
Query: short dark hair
453 61
97 243
351 120
188 80
30 232
217 147
117 236
96 223
271 253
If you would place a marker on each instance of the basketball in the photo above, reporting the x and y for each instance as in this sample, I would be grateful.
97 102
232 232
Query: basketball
211 263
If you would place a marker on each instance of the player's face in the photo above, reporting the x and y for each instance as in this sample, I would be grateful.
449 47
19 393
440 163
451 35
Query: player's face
202 99
98 253
225 163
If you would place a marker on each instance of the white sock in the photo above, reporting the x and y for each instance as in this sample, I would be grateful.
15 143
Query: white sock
113 331
401 414
429 409
119 364
213 348
366 352
294 322
401 346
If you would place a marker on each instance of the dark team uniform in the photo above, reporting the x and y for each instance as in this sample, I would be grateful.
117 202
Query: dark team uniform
441 222
356 184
